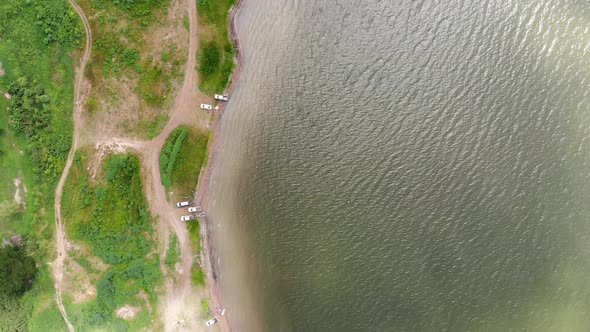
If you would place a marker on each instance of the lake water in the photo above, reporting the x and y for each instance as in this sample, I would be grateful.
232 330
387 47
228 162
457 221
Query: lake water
407 166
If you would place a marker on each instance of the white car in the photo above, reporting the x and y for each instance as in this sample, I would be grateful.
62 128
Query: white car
183 204
187 218
211 321
221 97
206 107
194 209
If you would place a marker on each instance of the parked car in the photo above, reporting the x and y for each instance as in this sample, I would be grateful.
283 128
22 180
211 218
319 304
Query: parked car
221 97
202 215
206 107
211 321
194 209
187 218
183 204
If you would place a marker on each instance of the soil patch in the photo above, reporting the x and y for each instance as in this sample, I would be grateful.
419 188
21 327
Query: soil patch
17 192
128 312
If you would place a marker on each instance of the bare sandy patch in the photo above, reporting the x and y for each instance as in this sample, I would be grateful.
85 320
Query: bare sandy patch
77 281
182 310
169 32
2 72
128 312
18 197
102 149
7 95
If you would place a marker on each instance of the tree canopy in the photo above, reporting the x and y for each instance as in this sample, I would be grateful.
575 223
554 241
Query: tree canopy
17 271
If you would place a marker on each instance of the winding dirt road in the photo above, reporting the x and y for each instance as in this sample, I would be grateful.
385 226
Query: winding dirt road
58 264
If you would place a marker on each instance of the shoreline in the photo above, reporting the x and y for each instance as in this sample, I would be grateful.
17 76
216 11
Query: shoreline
208 251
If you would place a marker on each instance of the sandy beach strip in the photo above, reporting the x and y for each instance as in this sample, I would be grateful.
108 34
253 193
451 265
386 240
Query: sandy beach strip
205 177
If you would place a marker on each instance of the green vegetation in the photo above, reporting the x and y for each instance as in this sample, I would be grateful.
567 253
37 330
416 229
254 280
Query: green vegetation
113 219
60 23
153 128
34 52
31 116
215 59
114 56
17 271
169 154
194 236
36 39
190 160
142 11
181 159
172 253
197 274
204 307
126 62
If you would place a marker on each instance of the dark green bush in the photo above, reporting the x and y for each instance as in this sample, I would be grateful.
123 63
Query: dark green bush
59 23
17 271
31 111
210 59
169 153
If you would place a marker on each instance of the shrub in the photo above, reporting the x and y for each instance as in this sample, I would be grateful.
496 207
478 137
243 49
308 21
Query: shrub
17 271
209 60
59 23
172 253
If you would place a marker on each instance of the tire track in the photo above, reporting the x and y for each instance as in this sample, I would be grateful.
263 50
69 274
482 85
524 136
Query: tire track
58 264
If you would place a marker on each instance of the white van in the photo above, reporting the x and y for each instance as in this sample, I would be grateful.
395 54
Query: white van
183 204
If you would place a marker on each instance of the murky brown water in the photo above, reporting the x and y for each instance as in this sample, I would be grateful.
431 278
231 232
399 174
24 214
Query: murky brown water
407 166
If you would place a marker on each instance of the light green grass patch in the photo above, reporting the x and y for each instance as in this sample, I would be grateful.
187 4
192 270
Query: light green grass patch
216 53
173 253
181 160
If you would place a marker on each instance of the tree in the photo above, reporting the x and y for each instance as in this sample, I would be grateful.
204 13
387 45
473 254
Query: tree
17 271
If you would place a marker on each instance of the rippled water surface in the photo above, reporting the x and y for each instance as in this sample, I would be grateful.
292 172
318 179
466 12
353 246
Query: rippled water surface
407 166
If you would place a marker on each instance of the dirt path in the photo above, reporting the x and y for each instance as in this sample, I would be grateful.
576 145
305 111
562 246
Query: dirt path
179 306
58 264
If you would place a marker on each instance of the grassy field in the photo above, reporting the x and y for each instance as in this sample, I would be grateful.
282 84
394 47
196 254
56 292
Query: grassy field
122 55
194 235
216 52
36 40
112 217
181 160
